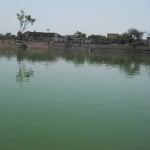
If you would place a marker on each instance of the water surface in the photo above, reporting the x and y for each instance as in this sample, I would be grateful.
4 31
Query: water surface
64 100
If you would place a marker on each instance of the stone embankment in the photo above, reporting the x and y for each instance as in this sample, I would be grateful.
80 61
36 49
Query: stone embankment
75 46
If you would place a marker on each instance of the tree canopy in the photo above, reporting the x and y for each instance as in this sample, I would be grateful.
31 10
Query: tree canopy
132 37
24 20
80 35
135 34
8 35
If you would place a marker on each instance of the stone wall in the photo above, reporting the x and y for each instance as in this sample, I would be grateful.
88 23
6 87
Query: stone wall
7 42
96 47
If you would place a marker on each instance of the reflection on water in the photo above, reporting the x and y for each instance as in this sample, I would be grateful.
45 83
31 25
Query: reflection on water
129 64
36 55
24 74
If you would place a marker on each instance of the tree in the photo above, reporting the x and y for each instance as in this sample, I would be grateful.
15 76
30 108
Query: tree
24 20
80 36
123 39
97 38
9 35
133 36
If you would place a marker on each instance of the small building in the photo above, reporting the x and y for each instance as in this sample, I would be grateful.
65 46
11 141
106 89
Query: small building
144 42
62 39
89 41
1 36
70 38
148 40
41 36
112 36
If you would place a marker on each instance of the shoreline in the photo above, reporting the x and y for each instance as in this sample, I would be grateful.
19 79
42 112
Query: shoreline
90 48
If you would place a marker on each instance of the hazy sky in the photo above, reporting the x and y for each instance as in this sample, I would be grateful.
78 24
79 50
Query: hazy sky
68 16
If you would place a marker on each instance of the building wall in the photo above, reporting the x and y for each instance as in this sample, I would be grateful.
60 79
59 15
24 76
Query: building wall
112 35
41 36
148 40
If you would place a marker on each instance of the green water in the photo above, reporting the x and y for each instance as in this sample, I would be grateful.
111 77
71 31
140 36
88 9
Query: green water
58 100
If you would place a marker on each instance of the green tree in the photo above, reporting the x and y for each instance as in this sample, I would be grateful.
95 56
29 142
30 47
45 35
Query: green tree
133 36
80 36
97 38
123 39
24 20
9 35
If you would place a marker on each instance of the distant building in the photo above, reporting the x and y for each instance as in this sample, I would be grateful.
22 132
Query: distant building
70 38
144 42
62 39
41 36
89 41
148 40
1 35
112 36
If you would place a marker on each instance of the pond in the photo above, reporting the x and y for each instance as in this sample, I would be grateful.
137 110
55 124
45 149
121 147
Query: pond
73 100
